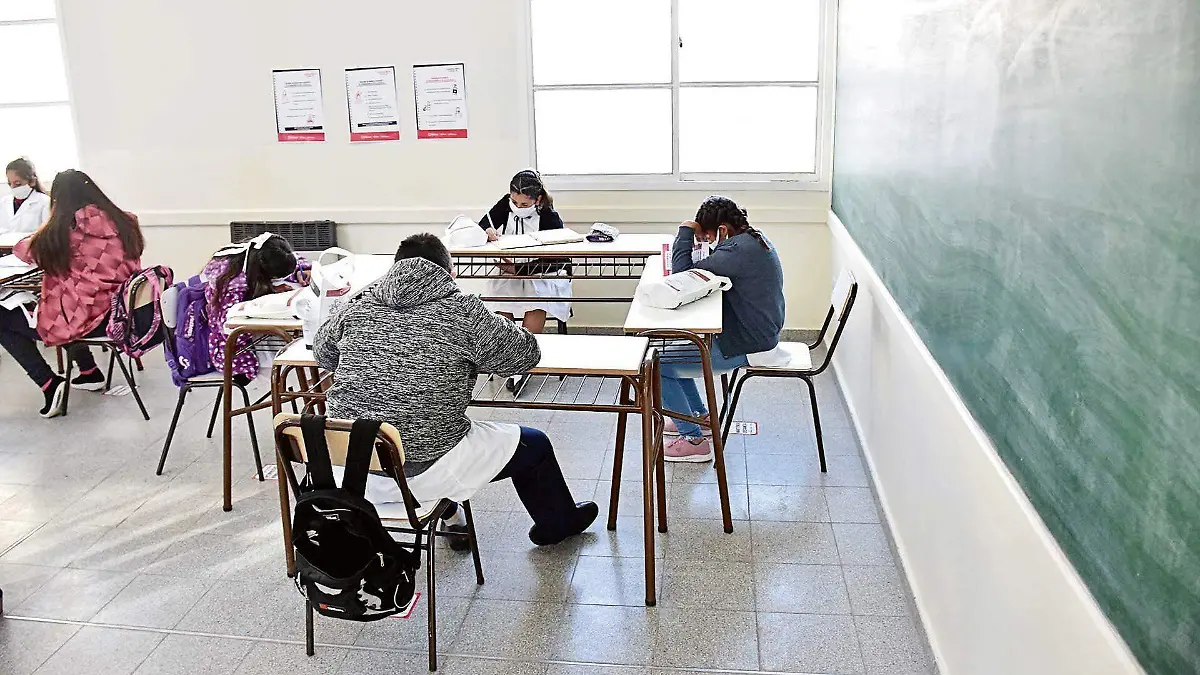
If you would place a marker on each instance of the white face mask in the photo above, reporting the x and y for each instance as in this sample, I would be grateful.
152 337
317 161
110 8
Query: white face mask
22 191
527 212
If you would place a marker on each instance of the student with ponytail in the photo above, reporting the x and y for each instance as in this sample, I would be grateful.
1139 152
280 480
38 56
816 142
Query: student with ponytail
752 315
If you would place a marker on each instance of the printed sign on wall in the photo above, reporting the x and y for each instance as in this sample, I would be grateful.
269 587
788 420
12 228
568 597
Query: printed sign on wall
441 93
299 106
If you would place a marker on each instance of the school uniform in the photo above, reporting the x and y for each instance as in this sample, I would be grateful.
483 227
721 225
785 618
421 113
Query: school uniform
555 293
26 215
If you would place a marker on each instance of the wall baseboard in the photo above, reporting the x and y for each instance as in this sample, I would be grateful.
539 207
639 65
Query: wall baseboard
995 592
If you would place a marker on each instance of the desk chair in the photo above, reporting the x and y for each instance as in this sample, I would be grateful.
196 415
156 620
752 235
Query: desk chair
169 301
389 459
801 362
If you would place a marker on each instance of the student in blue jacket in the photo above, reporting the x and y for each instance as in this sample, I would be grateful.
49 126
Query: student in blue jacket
752 316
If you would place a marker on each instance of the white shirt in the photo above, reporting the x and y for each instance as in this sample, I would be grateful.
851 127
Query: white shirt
34 212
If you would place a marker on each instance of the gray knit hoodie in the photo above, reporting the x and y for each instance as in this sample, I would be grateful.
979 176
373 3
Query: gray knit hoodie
408 352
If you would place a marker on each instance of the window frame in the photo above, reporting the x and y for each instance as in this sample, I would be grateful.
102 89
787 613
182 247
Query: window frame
817 180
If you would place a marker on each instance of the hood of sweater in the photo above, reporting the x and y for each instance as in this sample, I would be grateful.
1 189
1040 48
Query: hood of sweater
412 282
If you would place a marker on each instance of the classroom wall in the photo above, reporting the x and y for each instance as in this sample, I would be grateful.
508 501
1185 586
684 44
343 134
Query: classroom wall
175 119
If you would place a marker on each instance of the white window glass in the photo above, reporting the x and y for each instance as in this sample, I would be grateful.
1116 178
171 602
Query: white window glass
24 10
44 134
625 131
747 129
749 40
33 69
601 41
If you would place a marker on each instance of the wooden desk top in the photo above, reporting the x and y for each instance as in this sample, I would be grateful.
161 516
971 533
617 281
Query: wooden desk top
624 245
561 355
703 317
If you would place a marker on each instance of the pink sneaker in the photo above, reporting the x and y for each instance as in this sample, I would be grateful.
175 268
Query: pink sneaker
681 449
670 429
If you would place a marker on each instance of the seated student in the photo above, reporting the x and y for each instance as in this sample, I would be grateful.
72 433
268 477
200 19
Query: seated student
86 250
28 206
261 266
408 352
527 208
752 316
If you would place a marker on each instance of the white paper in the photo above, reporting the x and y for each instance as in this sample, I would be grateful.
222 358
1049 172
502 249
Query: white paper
299 106
373 104
441 94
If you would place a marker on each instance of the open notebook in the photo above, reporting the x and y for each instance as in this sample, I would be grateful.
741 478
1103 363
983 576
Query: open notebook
540 238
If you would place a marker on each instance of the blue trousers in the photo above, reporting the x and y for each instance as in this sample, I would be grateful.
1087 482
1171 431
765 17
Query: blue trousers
680 369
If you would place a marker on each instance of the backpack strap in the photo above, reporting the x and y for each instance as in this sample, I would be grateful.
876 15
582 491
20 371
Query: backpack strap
358 456
320 468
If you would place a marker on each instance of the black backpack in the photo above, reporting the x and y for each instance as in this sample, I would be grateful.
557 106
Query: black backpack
347 565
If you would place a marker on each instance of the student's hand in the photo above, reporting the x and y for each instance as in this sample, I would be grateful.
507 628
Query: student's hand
691 224
492 234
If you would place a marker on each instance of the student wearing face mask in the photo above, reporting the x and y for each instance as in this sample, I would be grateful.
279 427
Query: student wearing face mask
28 206
752 316
528 208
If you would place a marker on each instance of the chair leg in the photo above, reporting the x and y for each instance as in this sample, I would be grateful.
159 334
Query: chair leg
138 361
474 542
112 359
431 583
309 647
67 372
133 388
562 327
162 460
58 354
253 436
212 423
812 396
727 422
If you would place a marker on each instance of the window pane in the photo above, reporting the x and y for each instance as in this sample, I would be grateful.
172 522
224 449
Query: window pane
601 41
23 10
747 129
44 134
42 78
749 40
620 131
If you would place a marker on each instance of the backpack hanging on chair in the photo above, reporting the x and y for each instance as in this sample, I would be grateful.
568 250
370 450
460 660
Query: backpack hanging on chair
133 337
347 565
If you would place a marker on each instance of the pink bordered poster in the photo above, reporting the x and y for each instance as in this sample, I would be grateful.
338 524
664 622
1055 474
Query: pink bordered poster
441 95
299 106
373 104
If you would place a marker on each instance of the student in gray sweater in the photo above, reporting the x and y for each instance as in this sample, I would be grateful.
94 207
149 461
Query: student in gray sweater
408 352
752 316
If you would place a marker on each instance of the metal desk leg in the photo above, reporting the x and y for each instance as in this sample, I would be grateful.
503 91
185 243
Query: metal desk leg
618 458
648 463
718 443
227 418
278 385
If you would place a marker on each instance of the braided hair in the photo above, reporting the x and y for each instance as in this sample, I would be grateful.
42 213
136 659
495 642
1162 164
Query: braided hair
529 183
717 211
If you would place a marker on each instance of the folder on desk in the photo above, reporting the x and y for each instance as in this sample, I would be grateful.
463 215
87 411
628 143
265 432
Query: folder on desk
540 238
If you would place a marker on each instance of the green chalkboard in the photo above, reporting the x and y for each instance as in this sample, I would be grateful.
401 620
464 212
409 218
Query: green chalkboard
1025 177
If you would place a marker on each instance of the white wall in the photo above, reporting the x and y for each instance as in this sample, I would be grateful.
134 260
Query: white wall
175 118
996 593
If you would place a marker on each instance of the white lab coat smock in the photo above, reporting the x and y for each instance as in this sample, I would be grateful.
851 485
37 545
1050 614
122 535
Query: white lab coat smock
34 212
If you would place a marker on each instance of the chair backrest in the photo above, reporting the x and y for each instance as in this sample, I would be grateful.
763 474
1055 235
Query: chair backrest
845 291
388 459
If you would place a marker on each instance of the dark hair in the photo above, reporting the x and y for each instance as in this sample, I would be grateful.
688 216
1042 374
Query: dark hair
275 259
426 246
529 183
72 191
24 168
717 211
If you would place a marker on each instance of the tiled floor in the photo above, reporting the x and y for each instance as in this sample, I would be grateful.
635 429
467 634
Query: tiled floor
109 569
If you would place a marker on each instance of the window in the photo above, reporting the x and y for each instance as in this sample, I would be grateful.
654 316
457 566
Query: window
680 91
35 110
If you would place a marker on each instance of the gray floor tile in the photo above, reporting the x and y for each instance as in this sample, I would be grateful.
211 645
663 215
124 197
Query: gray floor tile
25 645
809 643
13 531
509 629
703 500
627 541
876 590
194 655
863 544
54 546
581 669
155 602
631 500
631 466
101 650
107 504
609 581
532 576
39 503
687 638
788 503
267 658
240 608
715 585
851 505
800 543
801 589
735 470
21 581
892 646
845 471
74 595
411 633
465 666
690 539
386 663
604 634
130 547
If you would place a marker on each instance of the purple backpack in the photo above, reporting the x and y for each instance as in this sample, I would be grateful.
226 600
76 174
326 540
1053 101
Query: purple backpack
186 347
130 332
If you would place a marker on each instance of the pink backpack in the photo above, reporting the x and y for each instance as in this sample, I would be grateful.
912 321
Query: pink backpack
132 334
